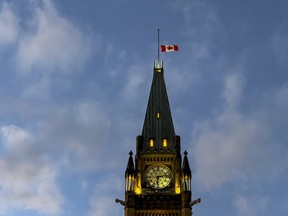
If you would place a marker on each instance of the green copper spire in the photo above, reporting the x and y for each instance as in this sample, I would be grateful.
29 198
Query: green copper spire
158 130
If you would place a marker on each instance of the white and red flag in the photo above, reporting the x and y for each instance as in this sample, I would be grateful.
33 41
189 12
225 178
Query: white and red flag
169 48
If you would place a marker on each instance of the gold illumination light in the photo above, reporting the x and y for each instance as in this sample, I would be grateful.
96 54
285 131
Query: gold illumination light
151 142
138 190
164 142
158 115
177 184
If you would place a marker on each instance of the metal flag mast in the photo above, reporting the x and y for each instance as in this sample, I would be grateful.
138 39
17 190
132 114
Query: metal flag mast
158 44
164 48
158 64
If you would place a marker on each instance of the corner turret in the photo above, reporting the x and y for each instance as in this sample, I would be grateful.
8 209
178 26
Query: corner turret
129 174
186 174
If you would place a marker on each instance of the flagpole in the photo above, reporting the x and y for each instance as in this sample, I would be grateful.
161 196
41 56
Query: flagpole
158 44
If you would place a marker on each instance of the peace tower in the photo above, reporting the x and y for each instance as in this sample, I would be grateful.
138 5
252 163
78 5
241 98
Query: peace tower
158 179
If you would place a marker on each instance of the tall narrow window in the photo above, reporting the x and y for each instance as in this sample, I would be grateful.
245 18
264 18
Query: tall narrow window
158 115
151 142
165 142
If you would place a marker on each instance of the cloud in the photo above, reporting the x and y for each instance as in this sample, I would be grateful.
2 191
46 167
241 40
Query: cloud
202 26
51 42
280 44
94 124
39 46
106 190
114 52
115 60
26 179
132 89
9 25
233 91
39 89
12 136
74 139
227 147
238 146
251 205
79 132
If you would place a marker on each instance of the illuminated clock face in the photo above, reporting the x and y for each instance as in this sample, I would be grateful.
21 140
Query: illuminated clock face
158 176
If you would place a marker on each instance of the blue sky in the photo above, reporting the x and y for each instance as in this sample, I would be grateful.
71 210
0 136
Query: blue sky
75 78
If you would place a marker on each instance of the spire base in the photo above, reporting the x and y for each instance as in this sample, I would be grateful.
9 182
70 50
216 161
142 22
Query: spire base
158 64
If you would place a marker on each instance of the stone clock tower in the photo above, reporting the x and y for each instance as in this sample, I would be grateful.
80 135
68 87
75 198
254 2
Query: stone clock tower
159 182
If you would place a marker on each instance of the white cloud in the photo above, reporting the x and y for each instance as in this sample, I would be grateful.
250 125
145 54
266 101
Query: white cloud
39 89
9 25
51 42
281 99
42 42
79 132
233 90
228 148
26 179
14 137
90 115
106 190
202 29
31 160
115 53
202 26
115 59
136 78
181 79
235 146
280 45
93 124
251 205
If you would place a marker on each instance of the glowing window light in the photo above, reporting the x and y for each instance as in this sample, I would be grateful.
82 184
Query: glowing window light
151 142
164 142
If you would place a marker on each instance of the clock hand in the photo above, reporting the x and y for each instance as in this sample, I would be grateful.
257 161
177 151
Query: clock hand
157 177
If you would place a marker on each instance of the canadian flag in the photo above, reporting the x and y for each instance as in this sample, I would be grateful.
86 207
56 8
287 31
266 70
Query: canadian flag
169 48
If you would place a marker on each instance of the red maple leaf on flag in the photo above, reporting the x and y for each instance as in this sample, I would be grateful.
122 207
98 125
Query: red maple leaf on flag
169 48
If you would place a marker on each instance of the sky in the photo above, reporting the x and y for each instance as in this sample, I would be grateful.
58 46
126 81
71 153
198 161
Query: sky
75 78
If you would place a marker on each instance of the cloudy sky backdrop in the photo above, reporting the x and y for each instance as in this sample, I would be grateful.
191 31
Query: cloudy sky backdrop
75 78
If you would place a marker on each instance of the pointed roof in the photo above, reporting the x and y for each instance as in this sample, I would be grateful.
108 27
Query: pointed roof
158 123
186 167
130 165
